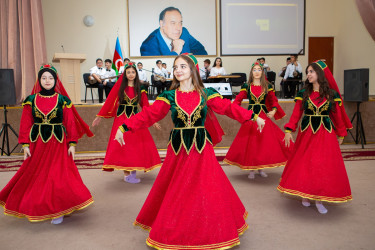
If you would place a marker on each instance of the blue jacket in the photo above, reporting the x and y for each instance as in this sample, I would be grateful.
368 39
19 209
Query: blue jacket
154 45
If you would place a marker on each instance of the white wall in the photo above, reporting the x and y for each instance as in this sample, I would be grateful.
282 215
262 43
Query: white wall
63 20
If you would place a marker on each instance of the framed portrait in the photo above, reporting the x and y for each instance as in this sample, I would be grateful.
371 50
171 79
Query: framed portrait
256 27
172 27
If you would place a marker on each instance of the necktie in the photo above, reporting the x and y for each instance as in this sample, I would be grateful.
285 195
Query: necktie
172 47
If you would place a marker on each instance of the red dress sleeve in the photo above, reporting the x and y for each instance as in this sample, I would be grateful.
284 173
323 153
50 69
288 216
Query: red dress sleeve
144 100
148 116
27 121
296 116
111 104
69 124
225 107
338 121
273 103
242 95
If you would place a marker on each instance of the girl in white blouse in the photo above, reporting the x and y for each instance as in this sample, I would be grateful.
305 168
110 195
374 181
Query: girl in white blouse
218 68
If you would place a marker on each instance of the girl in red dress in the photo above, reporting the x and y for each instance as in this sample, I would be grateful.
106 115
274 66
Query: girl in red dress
48 184
192 204
252 150
129 158
316 170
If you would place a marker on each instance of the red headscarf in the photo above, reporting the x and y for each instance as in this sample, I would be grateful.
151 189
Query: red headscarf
81 126
333 85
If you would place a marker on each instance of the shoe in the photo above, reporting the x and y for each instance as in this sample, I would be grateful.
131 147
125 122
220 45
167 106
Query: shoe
58 220
251 175
132 178
305 202
262 173
321 208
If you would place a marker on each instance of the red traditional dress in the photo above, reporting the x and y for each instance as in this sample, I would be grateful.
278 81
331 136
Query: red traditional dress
192 204
316 169
48 184
139 152
252 149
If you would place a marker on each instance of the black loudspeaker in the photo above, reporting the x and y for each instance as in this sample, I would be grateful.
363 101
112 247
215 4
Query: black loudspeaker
356 83
7 89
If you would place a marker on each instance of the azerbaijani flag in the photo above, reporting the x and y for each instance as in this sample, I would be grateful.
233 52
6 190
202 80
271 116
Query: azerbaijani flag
117 61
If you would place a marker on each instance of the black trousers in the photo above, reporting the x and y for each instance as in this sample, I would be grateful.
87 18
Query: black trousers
160 87
290 87
107 88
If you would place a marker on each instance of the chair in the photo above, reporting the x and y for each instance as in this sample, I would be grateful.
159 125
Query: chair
300 81
88 85
237 82
152 88
271 77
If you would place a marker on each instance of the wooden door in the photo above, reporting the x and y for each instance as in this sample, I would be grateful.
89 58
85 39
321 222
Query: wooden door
321 48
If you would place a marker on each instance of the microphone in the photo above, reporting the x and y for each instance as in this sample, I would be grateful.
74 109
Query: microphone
62 46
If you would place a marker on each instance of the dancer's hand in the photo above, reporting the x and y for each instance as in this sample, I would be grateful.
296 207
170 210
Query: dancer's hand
72 151
287 138
260 122
96 121
271 114
341 140
120 137
26 153
157 126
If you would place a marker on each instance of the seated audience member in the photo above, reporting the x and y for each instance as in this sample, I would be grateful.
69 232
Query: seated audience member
283 69
291 76
205 71
141 73
160 75
164 65
218 70
109 78
169 75
96 74
282 74
266 68
121 70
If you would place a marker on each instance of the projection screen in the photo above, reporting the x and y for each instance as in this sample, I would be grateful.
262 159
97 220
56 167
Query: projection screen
262 27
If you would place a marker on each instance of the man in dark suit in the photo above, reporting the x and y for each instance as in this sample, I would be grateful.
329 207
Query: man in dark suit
171 38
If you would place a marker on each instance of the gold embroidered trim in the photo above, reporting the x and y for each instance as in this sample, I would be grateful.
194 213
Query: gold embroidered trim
214 95
49 216
180 115
314 197
273 165
159 98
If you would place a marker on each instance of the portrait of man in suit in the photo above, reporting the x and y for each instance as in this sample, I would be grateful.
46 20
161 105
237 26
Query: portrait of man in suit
171 38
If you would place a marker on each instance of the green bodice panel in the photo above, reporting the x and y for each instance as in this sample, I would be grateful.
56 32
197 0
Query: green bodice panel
316 116
189 129
48 125
129 106
256 104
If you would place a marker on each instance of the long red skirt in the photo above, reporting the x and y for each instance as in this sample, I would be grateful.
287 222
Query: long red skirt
47 185
316 169
138 153
253 150
192 204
